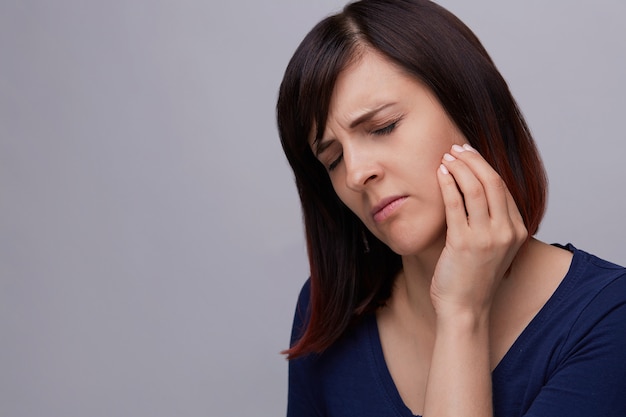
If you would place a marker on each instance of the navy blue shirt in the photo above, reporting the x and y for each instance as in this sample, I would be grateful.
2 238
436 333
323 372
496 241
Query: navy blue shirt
569 361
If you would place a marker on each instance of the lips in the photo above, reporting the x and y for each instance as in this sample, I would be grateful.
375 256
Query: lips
386 207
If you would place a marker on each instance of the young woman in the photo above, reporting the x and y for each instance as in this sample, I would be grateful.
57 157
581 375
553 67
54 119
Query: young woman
421 189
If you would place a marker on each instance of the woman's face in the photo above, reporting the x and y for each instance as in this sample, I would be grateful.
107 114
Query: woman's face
385 137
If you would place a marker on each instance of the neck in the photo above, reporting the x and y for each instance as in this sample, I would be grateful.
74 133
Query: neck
411 294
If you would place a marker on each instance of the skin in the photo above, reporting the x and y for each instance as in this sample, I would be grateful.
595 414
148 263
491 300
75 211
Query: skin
451 317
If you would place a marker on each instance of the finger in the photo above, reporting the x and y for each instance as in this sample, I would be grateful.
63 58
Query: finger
502 207
456 217
494 188
472 190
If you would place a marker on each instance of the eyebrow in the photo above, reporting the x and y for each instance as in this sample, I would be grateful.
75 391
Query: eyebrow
369 114
321 146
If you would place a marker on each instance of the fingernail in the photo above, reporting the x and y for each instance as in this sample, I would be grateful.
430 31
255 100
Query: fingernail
448 157
469 148
443 169
458 148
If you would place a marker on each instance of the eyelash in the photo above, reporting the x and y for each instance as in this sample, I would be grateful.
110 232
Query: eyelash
386 130
334 164
379 132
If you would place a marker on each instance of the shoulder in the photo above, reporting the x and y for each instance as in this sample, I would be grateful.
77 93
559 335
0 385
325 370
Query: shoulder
356 340
590 363
593 279
571 359
345 379
588 306
589 309
602 286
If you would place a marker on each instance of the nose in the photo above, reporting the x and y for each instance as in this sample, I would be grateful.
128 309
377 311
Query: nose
362 168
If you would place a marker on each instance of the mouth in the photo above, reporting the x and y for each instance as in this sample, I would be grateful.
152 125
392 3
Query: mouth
386 207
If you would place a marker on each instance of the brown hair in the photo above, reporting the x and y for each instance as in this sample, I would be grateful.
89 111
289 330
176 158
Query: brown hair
435 47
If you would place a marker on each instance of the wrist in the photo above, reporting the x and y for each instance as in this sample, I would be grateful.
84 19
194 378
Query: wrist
463 320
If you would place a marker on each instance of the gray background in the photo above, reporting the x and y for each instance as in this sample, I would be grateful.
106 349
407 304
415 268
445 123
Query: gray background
151 249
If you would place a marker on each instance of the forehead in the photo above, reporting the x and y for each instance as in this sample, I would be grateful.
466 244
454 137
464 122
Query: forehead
370 81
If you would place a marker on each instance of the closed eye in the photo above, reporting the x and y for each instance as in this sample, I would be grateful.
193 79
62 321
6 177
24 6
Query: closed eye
334 164
386 130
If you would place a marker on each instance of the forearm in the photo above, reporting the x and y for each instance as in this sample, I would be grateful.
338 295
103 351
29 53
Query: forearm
459 382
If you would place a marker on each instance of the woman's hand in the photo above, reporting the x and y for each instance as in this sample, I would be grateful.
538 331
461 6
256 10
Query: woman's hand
485 231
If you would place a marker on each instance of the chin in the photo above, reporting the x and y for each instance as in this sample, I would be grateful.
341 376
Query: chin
406 250
416 244
404 247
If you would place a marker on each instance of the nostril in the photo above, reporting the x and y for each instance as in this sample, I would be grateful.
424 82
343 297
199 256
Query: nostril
371 177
